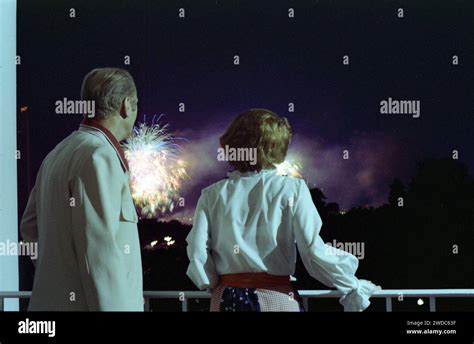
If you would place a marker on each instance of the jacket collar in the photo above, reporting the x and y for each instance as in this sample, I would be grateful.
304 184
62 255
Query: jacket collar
91 124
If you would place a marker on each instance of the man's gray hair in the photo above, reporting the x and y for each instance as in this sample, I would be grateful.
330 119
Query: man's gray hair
107 87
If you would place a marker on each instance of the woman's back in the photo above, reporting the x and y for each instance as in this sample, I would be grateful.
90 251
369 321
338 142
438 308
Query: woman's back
242 244
250 221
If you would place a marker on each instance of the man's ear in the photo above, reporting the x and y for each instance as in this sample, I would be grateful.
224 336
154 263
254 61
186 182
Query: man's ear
125 108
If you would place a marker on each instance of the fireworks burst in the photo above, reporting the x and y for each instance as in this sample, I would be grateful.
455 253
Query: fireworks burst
289 168
156 172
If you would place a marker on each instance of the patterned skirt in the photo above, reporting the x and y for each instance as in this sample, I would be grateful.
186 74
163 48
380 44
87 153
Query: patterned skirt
271 299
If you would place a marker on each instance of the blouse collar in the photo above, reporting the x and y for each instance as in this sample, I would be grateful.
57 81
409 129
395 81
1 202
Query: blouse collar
238 174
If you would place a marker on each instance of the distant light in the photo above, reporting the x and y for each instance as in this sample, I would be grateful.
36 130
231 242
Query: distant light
420 302
169 240
23 108
153 243
289 168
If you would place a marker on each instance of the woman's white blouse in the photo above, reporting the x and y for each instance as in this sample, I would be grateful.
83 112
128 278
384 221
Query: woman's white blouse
250 222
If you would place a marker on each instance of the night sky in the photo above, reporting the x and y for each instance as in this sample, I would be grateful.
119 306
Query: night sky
282 60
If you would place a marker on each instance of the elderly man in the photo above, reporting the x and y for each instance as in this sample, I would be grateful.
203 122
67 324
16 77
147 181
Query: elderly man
80 211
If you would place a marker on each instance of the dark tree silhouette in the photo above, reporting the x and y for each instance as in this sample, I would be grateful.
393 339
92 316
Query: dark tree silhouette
332 208
397 190
441 183
319 200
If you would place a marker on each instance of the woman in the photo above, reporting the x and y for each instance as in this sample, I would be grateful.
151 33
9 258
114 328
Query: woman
242 244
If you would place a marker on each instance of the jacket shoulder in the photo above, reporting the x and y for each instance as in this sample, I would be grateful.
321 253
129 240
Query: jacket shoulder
85 148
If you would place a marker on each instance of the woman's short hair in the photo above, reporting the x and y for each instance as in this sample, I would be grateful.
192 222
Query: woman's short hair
262 130
107 87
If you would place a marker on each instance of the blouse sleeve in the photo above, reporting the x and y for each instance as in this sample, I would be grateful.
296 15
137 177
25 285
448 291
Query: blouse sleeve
329 265
201 269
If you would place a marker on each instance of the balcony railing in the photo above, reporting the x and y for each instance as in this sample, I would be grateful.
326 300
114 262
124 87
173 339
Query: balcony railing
388 295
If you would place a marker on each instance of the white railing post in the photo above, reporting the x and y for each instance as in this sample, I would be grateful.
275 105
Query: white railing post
184 304
388 304
305 304
147 304
432 304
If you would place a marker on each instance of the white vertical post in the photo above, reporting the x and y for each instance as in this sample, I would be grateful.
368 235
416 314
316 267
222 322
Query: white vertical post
305 303
8 181
184 305
432 304
388 304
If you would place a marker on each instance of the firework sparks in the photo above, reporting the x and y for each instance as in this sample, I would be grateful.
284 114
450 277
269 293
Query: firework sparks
289 168
156 172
